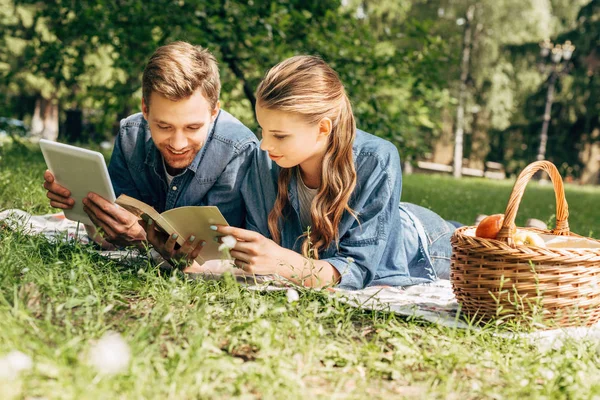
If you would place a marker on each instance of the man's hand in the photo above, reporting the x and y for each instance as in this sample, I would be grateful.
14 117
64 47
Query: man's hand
165 245
60 197
119 226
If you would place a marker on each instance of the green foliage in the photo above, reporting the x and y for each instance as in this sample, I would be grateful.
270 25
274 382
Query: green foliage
90 54
398 59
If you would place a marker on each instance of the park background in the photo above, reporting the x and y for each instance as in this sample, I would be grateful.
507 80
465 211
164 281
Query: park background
71 69
419 73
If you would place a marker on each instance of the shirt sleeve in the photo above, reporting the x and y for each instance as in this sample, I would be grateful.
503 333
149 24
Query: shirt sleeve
225 193
120 176
259 191
364 243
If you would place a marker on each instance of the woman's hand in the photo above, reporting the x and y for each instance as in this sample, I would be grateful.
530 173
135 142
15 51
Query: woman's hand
256 254
166 245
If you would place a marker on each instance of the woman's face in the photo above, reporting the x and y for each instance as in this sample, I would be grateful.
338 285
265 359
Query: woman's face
290 140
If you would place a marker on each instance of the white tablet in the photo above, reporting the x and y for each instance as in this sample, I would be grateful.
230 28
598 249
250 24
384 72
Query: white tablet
81 171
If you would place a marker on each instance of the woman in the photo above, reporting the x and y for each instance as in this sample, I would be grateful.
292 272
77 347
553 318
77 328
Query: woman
323 197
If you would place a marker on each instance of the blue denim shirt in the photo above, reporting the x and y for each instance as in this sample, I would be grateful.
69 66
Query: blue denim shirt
213 178
384 247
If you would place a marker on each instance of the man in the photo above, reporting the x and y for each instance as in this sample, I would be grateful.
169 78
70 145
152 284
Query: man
181 150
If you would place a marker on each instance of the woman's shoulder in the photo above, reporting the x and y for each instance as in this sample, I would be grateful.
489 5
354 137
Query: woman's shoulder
371 149
263 167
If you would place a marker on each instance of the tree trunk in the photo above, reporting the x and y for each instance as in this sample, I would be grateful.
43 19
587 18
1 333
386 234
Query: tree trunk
462 95
547 116
443 145
480 140
44 123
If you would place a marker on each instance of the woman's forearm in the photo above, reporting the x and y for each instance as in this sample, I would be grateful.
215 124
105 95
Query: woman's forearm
307 272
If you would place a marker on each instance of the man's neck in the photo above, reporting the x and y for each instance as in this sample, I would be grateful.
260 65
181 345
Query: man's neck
173 171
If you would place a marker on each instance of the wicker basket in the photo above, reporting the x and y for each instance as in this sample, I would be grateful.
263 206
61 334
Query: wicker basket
495 279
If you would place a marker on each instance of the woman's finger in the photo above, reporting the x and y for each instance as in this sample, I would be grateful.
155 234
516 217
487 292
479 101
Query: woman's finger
242 265
238 233
239 255
246 247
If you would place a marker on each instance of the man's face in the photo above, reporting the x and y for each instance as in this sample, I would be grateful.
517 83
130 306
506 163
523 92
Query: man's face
179 128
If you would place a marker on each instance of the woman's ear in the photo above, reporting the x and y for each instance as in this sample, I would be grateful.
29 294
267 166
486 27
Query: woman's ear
325 127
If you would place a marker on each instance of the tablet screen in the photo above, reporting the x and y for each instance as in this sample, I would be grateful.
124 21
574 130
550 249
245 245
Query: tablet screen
81 171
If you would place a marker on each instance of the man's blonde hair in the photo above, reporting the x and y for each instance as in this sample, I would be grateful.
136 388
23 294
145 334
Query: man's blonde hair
178 69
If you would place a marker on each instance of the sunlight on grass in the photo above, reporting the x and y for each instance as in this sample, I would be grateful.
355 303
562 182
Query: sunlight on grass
216 339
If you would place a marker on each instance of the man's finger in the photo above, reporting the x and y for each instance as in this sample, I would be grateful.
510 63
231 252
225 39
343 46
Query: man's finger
99 213
102 204
151 234
197 250
48 176
122 215
238 233
117 212
67 201
170 243
56 188
189 245
109 232
62 206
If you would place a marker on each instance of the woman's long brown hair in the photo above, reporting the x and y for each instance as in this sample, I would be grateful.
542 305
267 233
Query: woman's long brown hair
307 86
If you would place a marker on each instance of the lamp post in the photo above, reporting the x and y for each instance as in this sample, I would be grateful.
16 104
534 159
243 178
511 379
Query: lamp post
558 57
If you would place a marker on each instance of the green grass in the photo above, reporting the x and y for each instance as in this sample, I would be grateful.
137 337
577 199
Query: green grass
216 339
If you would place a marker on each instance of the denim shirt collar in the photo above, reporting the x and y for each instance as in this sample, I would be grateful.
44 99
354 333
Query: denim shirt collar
293 193
154 158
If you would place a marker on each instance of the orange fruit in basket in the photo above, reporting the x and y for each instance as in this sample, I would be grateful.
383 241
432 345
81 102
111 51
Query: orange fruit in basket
489 227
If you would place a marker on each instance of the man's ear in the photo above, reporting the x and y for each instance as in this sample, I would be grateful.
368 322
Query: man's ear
144 109
215 111
325 127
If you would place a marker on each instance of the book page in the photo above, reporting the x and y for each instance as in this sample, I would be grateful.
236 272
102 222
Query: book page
196 220
146 212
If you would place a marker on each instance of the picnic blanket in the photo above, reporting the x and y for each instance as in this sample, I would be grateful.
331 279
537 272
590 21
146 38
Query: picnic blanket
433 302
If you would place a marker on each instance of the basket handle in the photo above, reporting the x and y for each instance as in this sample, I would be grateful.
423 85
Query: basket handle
508 229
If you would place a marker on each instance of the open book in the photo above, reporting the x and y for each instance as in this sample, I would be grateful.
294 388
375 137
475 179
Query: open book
184 221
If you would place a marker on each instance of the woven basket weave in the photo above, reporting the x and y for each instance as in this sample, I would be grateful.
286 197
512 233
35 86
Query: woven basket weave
497 279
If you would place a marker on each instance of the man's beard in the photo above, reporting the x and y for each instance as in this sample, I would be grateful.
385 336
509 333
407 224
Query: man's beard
182 161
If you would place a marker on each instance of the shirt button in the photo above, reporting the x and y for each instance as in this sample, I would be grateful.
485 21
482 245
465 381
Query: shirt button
174 188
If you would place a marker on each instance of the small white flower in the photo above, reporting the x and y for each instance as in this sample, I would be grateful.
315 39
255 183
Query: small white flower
110 355
227 242
350 260
25 270
292 295
13 363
